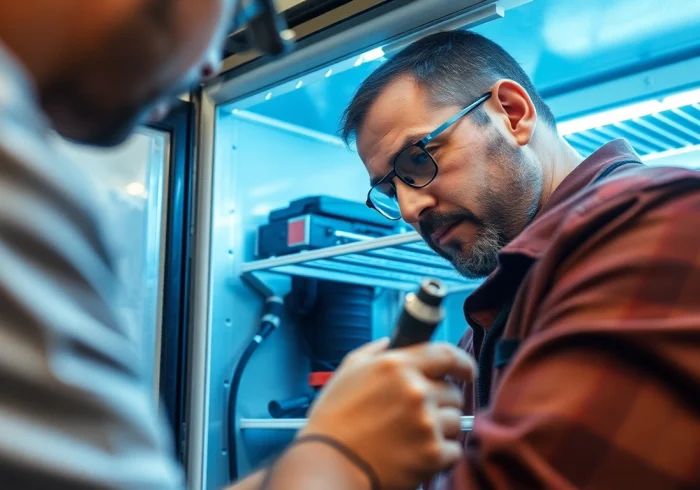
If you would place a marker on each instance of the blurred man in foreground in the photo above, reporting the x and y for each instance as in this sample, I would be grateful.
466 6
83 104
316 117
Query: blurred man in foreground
75 413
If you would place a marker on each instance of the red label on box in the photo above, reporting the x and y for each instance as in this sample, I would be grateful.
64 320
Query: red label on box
296 232
319 379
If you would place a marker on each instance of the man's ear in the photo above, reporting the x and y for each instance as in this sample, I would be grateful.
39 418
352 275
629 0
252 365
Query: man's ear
515 107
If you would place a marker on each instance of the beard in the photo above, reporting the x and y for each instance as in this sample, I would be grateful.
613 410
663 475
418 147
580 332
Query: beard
509 203
481 259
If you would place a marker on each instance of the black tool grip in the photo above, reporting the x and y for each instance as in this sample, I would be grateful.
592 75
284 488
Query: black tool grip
410 331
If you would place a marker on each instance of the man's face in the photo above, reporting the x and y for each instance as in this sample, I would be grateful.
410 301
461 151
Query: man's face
487 188
151 51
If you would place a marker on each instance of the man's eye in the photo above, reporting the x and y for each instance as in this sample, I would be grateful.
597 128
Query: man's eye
421 158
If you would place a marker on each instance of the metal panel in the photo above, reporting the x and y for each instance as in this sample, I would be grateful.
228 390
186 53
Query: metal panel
391 22
645 85
567 46
201 319
303 19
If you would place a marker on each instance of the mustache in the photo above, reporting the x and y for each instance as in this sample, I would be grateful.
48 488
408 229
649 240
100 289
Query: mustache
434 221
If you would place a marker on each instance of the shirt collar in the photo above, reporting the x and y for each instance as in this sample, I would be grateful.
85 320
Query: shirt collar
535 237
18 95
531 243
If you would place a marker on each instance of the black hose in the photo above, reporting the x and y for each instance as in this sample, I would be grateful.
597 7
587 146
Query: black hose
269 322
232 403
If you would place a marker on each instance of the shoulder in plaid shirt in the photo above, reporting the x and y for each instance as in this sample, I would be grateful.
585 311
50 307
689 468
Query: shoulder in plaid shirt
603 390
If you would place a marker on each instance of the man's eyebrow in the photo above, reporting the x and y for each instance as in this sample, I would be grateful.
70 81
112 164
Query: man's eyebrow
409 139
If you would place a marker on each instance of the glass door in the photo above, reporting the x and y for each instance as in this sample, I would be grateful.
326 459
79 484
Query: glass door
143 185
132 180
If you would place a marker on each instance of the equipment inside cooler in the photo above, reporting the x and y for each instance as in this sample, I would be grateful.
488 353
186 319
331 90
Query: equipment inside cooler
318 222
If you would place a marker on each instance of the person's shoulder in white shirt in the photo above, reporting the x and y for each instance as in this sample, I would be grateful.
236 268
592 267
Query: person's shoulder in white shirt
75 411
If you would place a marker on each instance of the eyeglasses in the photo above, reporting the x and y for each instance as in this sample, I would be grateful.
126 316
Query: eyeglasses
414 166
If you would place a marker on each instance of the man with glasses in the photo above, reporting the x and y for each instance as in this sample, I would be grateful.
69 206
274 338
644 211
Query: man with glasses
587 327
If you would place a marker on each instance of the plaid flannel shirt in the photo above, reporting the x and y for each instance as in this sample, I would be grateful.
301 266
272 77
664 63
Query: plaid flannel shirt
604 389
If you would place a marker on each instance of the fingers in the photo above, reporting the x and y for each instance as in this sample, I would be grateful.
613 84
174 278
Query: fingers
450 422
451 452
447 395
437 360
371 349
375 347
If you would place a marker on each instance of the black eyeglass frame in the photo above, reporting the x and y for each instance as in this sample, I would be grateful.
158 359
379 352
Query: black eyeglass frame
421 144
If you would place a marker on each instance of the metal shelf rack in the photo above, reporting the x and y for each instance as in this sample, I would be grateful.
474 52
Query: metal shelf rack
395 262
296 424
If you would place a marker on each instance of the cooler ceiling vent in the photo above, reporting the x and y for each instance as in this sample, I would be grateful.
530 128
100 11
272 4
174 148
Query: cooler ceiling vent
655 128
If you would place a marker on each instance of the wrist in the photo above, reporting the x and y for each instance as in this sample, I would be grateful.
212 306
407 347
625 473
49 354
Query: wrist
315 464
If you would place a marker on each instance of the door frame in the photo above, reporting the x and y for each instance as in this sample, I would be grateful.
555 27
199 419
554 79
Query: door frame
180 124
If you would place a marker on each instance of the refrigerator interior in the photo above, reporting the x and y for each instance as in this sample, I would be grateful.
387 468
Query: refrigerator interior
262 162
281 143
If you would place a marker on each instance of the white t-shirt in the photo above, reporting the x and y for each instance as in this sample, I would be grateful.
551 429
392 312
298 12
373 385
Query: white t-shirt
75 410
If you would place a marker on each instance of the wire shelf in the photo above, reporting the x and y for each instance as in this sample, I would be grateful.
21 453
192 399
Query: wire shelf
296 424
395 262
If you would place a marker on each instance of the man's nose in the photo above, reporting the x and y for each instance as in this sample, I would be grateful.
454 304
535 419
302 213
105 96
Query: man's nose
413 202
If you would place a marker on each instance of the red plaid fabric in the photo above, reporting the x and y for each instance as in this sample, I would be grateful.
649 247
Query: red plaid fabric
604 389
